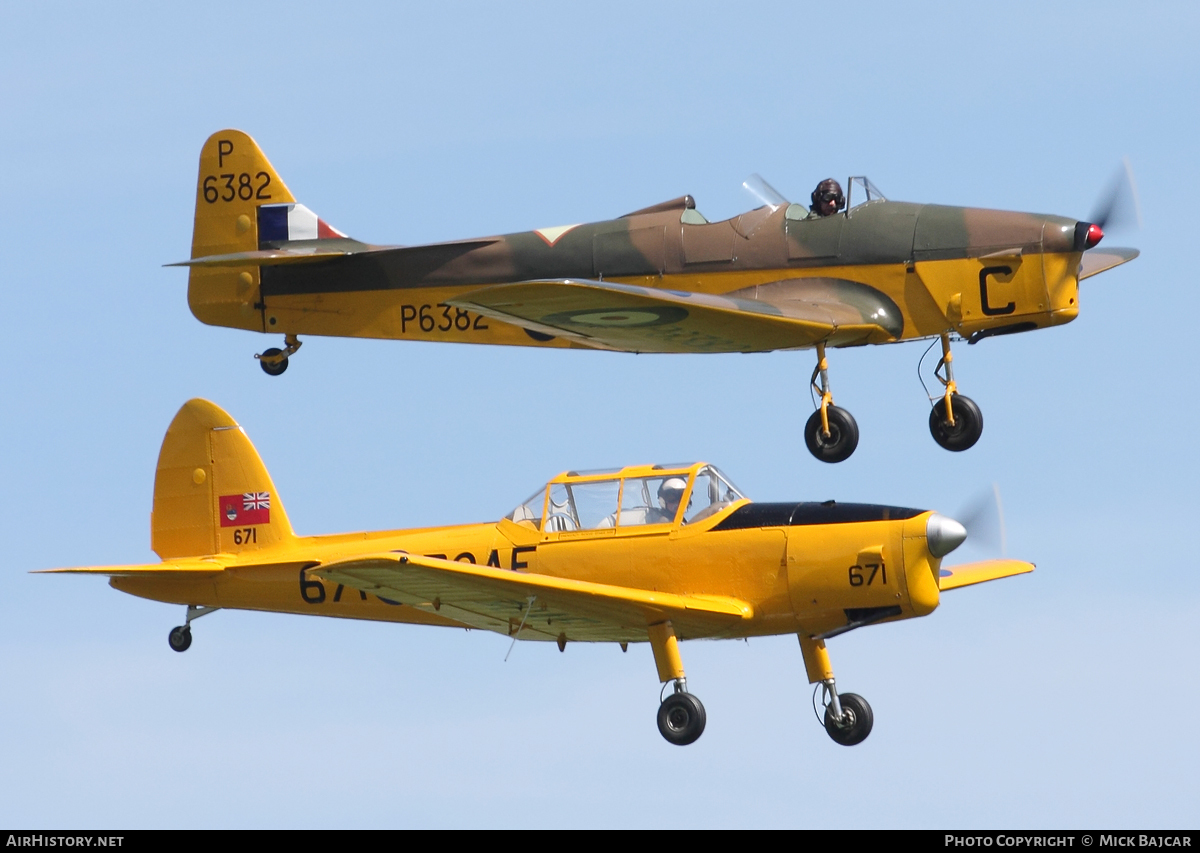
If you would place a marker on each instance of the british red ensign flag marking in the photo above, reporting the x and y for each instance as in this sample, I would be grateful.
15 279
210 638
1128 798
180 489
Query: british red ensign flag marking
245 509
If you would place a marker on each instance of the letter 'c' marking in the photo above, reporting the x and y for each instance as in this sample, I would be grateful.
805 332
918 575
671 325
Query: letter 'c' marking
989 309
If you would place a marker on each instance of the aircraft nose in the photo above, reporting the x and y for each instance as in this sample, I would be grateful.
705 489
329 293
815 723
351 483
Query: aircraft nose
943 535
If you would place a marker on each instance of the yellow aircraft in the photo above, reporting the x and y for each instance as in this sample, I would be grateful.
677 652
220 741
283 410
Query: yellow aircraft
845 272
651 553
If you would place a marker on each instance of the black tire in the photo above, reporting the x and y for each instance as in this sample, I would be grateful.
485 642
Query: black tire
273 369
180 638
681 718
968 424
843 435
857 720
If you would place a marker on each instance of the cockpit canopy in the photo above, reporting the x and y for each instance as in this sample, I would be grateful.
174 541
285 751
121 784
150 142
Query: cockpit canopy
626 497
859 191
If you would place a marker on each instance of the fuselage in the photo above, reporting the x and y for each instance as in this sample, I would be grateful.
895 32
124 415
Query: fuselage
965 270
802 566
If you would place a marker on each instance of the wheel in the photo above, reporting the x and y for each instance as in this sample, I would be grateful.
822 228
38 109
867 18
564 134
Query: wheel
968 424
857 720
843 435
681 718
180 638
273 369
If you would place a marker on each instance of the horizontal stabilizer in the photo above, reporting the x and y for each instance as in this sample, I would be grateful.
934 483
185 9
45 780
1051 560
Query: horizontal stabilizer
497 599
265 257
1097 261
168 569
631 318
953 577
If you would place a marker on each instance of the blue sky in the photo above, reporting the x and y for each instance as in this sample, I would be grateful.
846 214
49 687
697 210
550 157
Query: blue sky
1064 698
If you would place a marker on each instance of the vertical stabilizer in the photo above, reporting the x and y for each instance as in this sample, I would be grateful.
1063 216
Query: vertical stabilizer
235 180
212 493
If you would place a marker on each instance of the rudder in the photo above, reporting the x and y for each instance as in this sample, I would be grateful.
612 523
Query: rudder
212 493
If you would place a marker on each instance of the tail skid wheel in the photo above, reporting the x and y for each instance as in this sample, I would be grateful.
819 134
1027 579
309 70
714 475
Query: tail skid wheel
681 719
856 721
273 368
842 438
180 638
968 423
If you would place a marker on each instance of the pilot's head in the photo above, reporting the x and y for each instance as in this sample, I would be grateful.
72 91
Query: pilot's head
827 198
670 493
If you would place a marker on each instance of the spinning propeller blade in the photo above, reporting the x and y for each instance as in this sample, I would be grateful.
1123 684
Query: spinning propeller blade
983 518
1119 206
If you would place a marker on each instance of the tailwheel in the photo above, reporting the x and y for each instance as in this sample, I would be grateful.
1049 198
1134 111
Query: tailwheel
831 434
180 638
681 718
841 439
967 426
273 360
853 724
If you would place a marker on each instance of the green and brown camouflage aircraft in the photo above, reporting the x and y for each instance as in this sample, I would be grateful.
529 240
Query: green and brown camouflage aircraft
662 279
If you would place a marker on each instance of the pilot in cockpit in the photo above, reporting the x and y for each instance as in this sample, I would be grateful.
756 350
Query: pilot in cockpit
670 493
827 199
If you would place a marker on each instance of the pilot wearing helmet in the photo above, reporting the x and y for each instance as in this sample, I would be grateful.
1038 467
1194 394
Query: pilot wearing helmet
670 494
827 199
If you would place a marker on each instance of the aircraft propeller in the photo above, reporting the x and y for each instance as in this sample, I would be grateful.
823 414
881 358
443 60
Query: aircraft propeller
1119 206
983 518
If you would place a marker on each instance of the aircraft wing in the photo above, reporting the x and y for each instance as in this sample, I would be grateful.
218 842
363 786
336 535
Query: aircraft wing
499 600
953 577
630 318
1096 261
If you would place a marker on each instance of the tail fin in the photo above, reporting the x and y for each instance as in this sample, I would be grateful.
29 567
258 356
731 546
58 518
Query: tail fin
242 207
212 493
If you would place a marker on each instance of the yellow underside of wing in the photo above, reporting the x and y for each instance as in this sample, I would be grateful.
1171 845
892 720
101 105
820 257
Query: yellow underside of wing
500 600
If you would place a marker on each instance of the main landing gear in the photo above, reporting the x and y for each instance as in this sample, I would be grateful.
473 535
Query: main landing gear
681 717
180 638
955 421
274 361
847 717
831 434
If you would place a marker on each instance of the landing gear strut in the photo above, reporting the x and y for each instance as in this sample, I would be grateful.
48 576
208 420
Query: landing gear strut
681 716
847 718
831 434
274 361
955 422
180 638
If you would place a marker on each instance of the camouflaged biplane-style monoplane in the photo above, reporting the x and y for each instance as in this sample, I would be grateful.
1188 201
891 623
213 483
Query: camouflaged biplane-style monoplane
659 280
652 553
